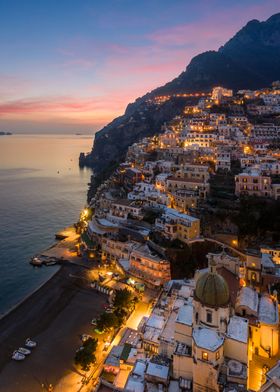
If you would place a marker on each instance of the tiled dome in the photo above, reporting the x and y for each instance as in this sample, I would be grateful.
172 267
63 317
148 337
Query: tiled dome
211 289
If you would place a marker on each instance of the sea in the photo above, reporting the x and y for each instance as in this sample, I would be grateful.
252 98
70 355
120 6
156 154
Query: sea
42 190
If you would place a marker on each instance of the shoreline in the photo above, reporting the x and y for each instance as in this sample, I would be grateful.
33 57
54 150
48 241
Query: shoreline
26 297
39 299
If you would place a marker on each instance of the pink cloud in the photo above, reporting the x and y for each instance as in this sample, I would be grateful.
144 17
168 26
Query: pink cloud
96 111
56 104
122 72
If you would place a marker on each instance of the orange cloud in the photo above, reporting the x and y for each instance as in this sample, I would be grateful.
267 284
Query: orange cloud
61 109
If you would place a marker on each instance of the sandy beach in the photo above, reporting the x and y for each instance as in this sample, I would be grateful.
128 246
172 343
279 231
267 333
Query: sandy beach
54 316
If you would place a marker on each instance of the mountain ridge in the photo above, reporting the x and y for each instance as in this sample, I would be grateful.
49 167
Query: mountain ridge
249 60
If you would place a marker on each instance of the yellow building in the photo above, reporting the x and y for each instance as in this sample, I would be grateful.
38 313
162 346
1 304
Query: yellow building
176 225
262 313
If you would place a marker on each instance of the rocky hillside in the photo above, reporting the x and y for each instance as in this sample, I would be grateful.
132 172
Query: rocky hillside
140 120
251 59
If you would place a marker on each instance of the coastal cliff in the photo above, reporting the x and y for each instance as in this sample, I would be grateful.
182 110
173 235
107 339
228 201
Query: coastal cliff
249 60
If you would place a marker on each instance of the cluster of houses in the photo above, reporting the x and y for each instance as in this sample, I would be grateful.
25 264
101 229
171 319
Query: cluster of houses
219 331
167 176
216 332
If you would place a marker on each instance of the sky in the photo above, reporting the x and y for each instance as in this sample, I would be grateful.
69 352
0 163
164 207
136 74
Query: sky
73 65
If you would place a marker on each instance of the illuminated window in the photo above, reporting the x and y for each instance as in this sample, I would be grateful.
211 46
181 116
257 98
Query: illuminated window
204 356
217 355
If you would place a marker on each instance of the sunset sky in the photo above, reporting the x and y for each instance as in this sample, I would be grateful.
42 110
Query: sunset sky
73 65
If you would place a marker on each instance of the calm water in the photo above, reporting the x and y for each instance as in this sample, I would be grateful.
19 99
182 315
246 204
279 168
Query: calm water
42 190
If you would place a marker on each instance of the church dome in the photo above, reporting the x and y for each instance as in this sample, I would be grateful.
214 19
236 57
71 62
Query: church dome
212 290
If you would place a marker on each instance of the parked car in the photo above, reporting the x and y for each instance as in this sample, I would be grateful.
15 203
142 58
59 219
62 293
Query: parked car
106 346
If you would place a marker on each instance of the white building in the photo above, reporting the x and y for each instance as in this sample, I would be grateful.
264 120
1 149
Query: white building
219 92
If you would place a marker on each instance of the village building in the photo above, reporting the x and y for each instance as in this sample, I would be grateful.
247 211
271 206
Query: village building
176 225
147 264
201 187
252 183
122 209
184 200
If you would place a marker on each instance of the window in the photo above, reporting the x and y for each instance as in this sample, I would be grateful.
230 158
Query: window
209 316
204 355
217 355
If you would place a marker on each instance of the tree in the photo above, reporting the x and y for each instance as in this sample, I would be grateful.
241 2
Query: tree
123 299
151 215
121 315
85 356
107 321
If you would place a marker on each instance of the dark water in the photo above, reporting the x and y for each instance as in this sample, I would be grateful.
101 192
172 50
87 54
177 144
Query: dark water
42 190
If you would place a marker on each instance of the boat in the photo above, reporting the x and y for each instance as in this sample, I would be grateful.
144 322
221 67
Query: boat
18 356
30 343
51 262
36 261
24 351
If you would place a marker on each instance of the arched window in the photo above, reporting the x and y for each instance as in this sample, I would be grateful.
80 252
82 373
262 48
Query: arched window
209 316
254 276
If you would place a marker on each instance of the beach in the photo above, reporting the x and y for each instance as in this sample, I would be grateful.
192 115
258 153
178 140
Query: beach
54 316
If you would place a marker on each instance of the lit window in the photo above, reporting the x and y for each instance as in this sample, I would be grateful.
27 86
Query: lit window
204 356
